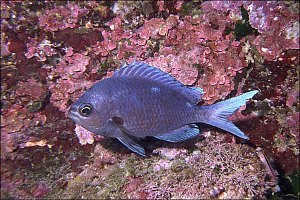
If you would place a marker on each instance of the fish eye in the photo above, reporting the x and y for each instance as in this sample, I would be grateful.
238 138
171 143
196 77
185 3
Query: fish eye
85 109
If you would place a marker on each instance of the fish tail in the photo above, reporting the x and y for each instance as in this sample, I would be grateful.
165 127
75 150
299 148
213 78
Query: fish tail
217 114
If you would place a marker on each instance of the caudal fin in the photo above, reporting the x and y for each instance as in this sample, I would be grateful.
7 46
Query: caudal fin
217 114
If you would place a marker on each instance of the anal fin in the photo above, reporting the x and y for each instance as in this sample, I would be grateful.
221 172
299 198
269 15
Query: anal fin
181 134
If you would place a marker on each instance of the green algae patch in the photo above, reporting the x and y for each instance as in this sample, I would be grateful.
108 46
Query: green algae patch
190 9
93 185
110 186
214 169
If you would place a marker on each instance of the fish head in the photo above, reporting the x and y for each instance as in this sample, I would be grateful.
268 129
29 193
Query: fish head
90 111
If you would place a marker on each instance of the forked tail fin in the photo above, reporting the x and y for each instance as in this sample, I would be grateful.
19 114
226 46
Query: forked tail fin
217 114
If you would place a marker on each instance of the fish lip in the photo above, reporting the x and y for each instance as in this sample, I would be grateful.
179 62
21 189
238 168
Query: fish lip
72 114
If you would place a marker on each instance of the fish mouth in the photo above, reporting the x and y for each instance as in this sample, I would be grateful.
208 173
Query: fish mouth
73 114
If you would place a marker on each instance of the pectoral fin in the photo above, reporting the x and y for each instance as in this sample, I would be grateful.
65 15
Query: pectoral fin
124 136
132 145
181 134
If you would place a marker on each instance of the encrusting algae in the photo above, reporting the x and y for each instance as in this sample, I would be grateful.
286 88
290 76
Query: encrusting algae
212 169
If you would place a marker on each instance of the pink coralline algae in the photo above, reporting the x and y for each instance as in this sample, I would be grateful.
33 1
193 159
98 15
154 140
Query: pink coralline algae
293 95
13 121
40 189
27 97
194 46
25 90
162 164
68 74
119 42
63 90
293 123
183 66
288 137
61 17
86 137
279 28
170 154
103 48
23 113
222 67
72 66
156 27
187 47
40 50
227 5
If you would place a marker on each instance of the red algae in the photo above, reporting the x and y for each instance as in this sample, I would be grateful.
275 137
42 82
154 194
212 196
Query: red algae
41 51
275 23
61 17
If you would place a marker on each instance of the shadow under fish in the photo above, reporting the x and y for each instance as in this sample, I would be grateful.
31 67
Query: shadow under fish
140 100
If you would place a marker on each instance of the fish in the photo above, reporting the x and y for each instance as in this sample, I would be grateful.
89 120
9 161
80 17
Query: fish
140 100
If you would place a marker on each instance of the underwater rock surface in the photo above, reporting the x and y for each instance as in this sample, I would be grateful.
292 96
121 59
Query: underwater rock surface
51 52
233 171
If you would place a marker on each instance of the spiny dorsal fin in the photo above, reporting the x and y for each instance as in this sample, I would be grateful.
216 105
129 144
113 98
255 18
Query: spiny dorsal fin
145 71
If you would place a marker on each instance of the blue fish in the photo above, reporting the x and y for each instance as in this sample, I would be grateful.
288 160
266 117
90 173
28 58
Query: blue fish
140 100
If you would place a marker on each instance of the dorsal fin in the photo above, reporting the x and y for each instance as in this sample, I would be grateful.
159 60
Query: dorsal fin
145 71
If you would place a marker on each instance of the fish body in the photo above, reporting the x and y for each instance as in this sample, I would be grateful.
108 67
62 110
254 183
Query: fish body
141 100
